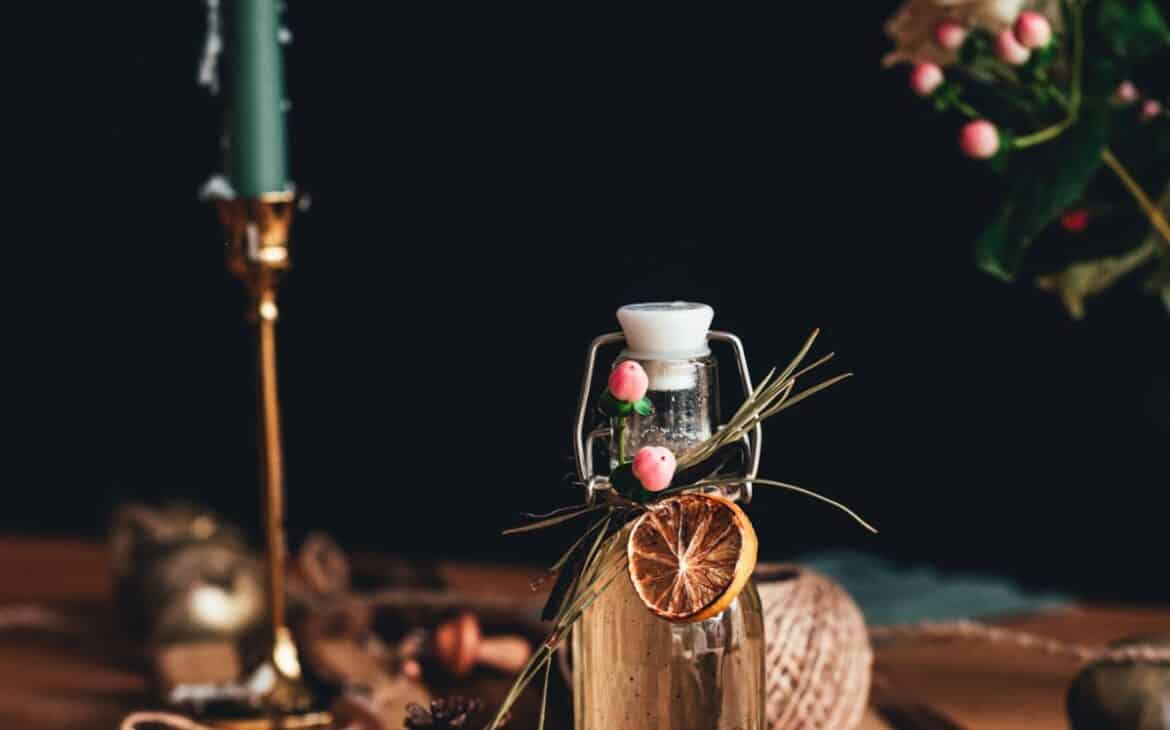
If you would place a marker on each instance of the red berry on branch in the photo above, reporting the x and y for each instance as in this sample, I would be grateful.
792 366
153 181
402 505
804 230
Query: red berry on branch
979 139
925 78
1074 220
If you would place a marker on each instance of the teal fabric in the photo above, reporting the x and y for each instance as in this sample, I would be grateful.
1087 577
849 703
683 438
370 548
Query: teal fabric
889 593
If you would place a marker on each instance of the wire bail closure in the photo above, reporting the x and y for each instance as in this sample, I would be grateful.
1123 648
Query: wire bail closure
596 484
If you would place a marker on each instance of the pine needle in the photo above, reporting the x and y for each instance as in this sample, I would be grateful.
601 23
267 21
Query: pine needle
804 370
800 355
788 403
586 570
772 395
791 487
560 564
549 522
585 594
544 694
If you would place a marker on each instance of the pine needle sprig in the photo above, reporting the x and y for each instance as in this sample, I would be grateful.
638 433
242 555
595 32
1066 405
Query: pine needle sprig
738 481
556 519
570 554
773 395
585 574
602 567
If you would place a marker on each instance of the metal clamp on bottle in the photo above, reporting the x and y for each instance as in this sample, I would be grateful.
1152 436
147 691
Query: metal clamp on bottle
671 341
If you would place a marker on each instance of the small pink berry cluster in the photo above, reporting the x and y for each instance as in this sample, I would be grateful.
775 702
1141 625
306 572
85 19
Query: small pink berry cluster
1127 93
653 466
1013 45
1030 32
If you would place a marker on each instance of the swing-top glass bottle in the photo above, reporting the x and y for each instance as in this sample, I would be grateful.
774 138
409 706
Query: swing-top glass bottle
632 669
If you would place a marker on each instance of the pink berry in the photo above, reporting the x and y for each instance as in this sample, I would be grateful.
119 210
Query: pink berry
979 139
949 34
1009 50
654 467
925 78
1150 109
1126 92
628 381
1033 30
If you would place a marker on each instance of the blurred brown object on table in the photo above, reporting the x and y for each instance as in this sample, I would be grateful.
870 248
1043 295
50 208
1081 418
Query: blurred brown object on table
452 712
331 608
197 662
182 573
372 691
48 682
168 562
459 646
1107 695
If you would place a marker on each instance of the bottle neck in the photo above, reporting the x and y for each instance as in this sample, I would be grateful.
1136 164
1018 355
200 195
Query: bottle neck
685 396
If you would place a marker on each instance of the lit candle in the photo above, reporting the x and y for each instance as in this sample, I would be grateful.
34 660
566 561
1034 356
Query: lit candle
258 163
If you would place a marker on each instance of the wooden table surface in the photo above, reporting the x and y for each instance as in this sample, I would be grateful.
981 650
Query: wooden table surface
46 682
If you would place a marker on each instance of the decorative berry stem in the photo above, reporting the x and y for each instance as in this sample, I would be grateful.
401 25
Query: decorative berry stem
1157 220
1073 104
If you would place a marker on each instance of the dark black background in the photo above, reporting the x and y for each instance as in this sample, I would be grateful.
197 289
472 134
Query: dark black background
488 185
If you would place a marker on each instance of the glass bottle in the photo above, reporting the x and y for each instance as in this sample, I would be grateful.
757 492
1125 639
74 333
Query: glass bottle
632 669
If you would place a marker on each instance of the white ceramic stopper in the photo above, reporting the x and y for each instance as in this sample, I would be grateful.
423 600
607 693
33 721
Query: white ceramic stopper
660 332
663 333
666 330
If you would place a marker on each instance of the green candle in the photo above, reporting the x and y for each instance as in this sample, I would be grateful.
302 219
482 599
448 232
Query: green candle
258 163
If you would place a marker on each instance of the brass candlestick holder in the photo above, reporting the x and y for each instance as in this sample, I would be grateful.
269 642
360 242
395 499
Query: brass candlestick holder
258 235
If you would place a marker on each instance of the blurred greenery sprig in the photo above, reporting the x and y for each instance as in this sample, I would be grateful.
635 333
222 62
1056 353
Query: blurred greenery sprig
1048 95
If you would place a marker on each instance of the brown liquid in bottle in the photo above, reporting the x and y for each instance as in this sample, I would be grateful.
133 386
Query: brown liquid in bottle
636 671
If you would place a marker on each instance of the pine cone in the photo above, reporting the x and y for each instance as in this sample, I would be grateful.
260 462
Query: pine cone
452 712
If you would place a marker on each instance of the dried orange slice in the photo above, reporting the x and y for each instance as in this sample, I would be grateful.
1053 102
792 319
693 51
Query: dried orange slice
691 555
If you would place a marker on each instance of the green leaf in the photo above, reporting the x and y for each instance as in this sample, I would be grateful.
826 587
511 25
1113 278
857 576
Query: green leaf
1042 181
1134 29
613 407
1002 160
1036 67
624 482
978 45
644 407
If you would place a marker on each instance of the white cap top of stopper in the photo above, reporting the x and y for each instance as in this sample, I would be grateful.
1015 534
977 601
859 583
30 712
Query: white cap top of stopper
666 330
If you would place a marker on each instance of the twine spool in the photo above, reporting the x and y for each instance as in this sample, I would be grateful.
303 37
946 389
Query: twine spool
818 659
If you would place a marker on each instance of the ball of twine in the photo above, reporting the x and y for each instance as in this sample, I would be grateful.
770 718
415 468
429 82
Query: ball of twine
818 659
